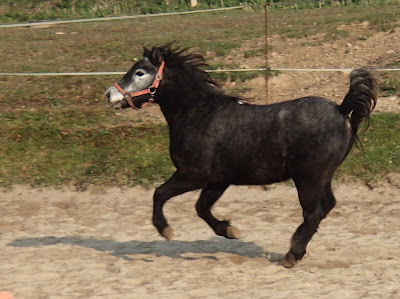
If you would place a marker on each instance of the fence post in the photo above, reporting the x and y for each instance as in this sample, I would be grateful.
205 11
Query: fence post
266 52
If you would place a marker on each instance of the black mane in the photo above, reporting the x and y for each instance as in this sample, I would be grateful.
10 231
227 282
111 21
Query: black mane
177 57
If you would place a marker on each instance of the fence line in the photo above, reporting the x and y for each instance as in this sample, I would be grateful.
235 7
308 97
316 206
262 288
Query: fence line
170 14
332 70
345 70
118 73
118 18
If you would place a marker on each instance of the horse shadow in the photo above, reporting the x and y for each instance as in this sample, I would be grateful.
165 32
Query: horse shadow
173 249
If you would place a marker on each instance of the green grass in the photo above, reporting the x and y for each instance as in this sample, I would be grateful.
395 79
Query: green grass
24 10
390 86
107 46
256 52
381 150
45 148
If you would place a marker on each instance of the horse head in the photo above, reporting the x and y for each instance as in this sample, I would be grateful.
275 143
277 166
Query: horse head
139 85
183 79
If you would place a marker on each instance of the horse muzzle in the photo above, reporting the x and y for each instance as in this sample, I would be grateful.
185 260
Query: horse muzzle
115 99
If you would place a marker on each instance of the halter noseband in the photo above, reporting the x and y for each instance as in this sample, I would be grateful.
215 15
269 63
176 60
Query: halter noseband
128 96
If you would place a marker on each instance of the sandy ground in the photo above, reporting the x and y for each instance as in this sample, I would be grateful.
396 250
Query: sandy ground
101 244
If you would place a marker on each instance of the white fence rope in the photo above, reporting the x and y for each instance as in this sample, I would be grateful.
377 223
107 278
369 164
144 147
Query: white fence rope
344 70
117 18
332 70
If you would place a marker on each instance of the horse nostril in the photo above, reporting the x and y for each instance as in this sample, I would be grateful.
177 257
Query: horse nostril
107 96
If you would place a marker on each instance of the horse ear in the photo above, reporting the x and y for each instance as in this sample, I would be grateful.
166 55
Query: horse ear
156 56
146 52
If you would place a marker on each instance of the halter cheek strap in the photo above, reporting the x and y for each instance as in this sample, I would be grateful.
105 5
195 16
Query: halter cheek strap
128 96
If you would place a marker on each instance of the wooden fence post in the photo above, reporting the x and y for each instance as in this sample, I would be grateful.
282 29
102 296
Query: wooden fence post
266 51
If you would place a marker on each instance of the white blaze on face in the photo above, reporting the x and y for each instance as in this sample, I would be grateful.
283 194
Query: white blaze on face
113 95
140 80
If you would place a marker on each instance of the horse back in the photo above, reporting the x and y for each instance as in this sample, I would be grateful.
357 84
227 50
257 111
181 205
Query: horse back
262 144
266 144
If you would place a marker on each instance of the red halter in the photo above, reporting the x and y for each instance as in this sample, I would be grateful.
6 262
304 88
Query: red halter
128 96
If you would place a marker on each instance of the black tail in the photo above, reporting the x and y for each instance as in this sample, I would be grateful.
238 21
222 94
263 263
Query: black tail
361 98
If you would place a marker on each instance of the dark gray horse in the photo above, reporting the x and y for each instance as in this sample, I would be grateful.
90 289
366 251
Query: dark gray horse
217 141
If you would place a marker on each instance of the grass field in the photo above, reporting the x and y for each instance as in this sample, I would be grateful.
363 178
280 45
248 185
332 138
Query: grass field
74 147
57 130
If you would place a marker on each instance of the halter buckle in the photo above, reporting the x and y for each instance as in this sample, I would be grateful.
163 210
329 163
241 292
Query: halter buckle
152 90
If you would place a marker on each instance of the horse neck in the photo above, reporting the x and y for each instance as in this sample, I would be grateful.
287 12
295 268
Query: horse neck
181 98
178 105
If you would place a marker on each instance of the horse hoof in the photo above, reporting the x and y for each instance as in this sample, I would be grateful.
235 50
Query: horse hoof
168 233
232 232
289 260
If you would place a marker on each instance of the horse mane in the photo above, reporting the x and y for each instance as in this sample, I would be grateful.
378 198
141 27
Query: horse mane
195 63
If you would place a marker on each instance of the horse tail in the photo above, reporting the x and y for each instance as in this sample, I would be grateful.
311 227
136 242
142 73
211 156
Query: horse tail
361 98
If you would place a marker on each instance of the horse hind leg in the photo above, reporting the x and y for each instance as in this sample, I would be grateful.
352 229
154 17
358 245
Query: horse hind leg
316 203
208 197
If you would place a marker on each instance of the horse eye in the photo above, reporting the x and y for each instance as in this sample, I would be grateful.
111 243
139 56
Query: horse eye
139 73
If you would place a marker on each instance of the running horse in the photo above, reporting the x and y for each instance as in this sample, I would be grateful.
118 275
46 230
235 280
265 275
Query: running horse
217 140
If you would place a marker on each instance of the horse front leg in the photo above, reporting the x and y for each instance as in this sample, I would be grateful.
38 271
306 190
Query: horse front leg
176 185
209 195
316 202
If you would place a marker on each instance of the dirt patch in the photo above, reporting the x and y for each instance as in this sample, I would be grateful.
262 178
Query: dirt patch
357 50
101 244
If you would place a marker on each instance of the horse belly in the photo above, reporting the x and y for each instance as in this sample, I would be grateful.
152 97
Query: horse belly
258 166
